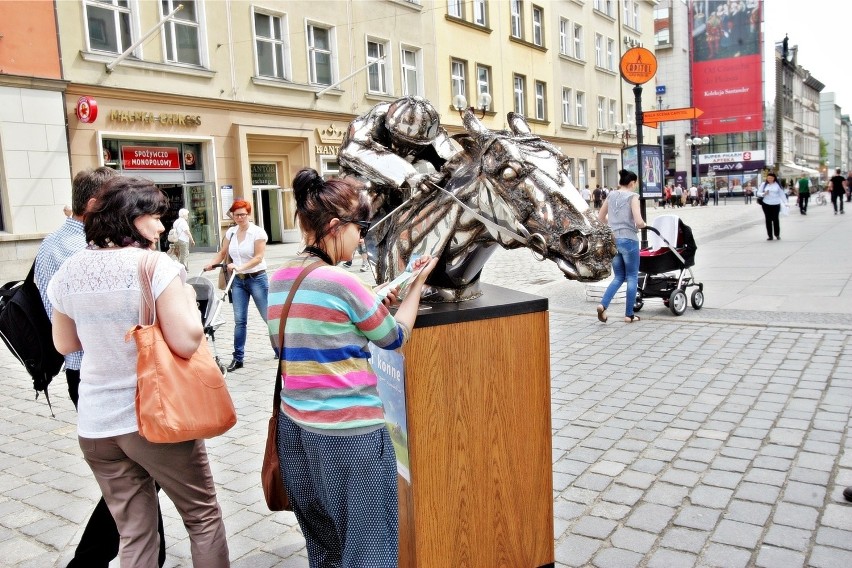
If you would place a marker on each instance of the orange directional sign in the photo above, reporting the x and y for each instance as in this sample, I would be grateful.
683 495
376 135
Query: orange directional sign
652 117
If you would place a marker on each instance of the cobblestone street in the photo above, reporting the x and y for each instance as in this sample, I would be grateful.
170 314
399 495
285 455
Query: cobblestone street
718 438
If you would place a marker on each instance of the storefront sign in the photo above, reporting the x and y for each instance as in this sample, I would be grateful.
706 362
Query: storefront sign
721 158
86 110
264 174
150 158
145 117
326 150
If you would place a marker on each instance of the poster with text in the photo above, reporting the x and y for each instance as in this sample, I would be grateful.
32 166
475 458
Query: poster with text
727 70
389 367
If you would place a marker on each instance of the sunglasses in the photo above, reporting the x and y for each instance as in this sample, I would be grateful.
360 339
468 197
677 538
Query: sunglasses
364 226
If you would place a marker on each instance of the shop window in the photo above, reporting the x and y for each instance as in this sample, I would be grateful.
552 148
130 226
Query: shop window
329 166
272 48
182 34
320 44
108 25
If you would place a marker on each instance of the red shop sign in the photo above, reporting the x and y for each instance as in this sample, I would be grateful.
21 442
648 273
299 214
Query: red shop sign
149 158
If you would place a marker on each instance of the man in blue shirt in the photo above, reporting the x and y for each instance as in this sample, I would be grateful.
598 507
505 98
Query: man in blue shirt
99 543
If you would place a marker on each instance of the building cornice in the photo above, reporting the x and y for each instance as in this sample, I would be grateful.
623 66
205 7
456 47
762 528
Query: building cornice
33 82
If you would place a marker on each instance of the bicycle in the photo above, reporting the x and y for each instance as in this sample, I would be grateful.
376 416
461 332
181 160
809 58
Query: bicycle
820 198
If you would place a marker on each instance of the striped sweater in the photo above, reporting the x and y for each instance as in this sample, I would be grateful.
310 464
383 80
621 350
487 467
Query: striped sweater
328 384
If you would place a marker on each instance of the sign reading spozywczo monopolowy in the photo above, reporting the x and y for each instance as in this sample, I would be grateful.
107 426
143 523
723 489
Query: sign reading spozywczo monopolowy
150 158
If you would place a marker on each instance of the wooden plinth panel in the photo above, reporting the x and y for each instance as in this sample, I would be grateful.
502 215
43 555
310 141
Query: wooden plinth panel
479 434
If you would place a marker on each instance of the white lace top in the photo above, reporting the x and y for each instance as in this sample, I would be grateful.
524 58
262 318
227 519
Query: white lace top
99 290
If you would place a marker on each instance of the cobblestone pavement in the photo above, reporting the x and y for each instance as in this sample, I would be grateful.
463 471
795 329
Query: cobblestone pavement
705 440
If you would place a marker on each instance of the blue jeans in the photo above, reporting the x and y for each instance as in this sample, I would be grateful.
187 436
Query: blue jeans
625 267
258 289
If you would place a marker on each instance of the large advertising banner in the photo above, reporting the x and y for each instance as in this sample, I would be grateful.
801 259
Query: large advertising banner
727 70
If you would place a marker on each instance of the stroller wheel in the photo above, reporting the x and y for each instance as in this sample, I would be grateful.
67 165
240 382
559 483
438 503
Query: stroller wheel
677 302
638 304
697 299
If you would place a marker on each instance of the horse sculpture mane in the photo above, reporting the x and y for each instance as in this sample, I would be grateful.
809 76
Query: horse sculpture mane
506 188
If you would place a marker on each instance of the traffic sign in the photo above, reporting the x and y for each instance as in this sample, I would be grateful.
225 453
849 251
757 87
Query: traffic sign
652 117
661 89
638 65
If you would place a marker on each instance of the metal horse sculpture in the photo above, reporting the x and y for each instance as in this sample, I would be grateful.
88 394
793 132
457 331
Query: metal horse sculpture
507 188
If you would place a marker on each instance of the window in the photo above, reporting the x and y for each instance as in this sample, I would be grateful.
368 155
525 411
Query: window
454 8
609 8
537 17
181 34
636 25
520 88
458 78
377 72
480 15
564 42
109 25
540 100
329 167
601 113
578 42
580 109
567 115
483 80
272 50
631 113
582 167
610 54
612 103
410 61
598 50
517 22
319 55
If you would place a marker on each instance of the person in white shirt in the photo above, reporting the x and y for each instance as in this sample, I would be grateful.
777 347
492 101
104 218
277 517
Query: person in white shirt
587 195
693 195
245 243
184 237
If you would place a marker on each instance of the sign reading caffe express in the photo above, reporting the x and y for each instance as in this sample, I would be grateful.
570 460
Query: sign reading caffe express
145 117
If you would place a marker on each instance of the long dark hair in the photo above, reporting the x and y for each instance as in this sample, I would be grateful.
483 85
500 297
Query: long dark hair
120 201
318 201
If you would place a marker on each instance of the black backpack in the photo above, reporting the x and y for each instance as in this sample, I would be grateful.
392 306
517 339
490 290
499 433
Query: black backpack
27 332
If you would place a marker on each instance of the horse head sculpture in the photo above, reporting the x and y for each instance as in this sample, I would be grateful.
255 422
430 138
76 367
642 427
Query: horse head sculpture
506 188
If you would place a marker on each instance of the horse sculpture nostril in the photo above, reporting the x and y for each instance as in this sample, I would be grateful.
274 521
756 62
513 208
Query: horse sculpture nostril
575 244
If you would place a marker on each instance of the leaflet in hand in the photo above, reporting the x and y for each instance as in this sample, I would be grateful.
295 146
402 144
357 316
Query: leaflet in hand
404 280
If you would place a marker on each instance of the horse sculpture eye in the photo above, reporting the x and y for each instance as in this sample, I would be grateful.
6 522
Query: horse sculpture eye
510 174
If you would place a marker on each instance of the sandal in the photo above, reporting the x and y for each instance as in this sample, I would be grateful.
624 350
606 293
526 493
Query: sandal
602 314
631 319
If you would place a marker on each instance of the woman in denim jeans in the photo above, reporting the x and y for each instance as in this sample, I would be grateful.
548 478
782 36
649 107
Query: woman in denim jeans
245 243
621 211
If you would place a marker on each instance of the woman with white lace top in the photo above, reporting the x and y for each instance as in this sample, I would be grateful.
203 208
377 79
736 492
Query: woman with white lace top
95 296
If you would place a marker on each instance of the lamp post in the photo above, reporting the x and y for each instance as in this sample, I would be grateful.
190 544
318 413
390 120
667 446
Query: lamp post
695 145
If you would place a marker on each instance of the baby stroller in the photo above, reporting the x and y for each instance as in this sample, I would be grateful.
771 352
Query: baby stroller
209 304
665 270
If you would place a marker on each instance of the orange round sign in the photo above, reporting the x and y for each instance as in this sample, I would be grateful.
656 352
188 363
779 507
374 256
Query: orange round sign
638 65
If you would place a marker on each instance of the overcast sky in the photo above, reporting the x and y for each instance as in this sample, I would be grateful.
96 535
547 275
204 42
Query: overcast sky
821 29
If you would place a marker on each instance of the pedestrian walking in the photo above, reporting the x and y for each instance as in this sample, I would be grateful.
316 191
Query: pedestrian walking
838 191
598 196
849 186
586 195
621 211
804 185
184 237
771 195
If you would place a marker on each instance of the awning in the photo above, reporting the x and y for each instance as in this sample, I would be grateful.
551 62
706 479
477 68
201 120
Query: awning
790 170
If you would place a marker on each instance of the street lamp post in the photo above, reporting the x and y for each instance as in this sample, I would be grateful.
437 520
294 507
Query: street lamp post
695 146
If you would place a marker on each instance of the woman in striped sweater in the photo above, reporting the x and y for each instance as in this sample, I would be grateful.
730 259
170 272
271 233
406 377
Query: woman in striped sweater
336 455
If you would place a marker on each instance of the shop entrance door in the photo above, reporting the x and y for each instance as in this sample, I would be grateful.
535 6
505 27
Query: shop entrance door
269 210
199 198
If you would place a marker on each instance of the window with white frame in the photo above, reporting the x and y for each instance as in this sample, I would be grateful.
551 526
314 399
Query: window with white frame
627 13
598 50
598 5
410 63
458 77
454 8
579 52
272 49
564 39
329 167
319 54
612 106
609 8
582 167
109 25
610 54
630 112
182 34
636 25
601 113
538 28
567 115
580 108
520 88
516 19
480 14
483 80
377 72
540 100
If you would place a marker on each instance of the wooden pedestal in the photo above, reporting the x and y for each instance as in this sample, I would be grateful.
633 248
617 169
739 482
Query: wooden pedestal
479 435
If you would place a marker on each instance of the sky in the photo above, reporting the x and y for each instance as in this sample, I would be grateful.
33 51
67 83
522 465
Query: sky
821 30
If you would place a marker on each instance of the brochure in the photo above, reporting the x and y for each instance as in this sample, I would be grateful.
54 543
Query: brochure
404 280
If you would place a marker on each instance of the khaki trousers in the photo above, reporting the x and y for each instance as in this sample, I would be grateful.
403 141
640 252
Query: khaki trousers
126 466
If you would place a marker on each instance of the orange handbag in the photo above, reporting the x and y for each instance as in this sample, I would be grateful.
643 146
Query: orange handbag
274 490
177 399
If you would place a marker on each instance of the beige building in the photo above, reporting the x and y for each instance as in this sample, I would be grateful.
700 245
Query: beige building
229 99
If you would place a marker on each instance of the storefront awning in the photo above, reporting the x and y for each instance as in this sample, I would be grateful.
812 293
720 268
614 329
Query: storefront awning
789 170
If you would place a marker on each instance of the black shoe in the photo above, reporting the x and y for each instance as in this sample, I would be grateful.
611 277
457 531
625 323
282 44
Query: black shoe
235 365
768 238
847 493
347 264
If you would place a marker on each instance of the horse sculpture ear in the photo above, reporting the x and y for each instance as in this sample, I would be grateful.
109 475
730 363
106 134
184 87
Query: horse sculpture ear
518 124
473 125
